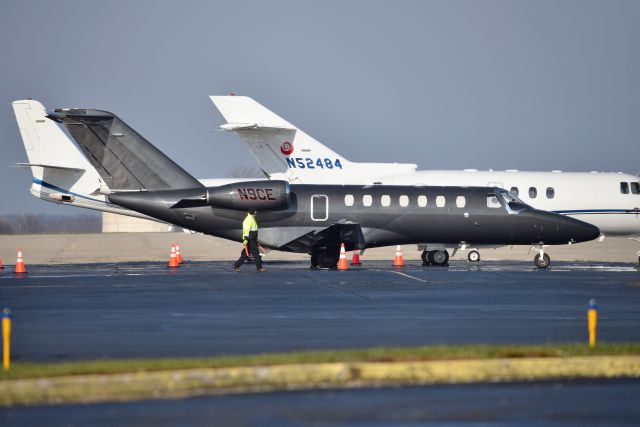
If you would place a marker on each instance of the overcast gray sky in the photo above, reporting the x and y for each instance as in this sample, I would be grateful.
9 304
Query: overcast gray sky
530 85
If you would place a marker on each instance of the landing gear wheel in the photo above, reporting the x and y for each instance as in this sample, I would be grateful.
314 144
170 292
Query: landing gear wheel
328 259
439 257
473 256
542 261
314 260
425 258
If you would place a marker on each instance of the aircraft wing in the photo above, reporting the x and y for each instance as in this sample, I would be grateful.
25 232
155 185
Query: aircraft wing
303 239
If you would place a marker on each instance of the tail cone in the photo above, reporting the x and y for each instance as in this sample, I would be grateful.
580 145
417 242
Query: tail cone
398 261
20 268
342 262
173 260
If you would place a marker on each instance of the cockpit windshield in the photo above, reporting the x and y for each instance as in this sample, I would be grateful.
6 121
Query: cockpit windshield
512 202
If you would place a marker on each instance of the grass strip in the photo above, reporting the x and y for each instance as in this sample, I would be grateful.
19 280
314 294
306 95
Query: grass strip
24 370
305 376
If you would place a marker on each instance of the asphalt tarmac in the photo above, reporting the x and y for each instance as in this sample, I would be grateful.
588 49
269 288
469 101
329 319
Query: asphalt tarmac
603 403
205 308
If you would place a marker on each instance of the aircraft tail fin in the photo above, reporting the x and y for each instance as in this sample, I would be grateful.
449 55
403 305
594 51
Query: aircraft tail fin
61 172
285 152
123 158
57 165
45 143
281 149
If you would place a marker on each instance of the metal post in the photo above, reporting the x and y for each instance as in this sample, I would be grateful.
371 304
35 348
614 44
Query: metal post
6 338
592 318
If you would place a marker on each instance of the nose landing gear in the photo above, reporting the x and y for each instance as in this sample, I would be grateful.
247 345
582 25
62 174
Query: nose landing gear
473 256
542 260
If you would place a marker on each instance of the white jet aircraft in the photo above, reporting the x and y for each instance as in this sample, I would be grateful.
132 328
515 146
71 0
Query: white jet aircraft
610 201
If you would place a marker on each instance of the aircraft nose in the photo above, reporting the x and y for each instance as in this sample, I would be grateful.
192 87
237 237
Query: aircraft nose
580 231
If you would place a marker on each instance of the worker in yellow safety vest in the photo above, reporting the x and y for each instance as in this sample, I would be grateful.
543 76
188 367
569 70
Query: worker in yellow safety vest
250 242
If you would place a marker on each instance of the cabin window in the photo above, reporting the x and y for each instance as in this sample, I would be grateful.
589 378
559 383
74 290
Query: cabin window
385 200
635 188
367 200
404 201
514 191
461 201
422 201
550 193
348 200
492 201
533 192
440 201
624 187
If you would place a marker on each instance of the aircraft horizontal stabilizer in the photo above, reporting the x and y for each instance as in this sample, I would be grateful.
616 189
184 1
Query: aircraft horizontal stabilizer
242 109
29 165
239 127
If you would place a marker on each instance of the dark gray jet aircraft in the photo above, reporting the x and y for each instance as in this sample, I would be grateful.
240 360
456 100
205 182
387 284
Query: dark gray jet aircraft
311 219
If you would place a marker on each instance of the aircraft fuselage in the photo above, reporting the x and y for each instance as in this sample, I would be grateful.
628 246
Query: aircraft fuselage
387 215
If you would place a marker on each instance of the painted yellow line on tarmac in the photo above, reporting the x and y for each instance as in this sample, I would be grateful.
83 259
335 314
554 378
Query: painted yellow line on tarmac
215 381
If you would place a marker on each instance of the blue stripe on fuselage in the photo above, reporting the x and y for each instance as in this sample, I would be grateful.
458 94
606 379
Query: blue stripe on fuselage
596 211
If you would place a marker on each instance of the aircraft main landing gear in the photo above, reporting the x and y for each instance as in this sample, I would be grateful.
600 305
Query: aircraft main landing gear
326 259
438 257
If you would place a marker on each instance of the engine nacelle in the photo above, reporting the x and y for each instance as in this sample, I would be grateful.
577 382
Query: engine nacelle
260 195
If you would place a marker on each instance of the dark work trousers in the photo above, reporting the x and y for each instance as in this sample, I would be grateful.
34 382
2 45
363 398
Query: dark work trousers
253 248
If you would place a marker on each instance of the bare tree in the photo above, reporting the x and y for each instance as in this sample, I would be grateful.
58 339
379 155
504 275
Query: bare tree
29 223
6 227
32 223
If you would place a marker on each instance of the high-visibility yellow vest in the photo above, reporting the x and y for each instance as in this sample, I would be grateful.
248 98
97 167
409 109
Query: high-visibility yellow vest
248 225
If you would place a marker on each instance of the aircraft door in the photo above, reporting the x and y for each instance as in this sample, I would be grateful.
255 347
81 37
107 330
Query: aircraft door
319 207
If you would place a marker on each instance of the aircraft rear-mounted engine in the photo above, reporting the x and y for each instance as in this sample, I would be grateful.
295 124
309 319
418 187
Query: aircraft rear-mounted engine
261 195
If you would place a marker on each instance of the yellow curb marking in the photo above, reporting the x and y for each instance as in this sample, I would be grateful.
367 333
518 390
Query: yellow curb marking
209 381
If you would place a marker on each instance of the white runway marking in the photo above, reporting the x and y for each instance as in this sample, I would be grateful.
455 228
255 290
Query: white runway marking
404 274
614 268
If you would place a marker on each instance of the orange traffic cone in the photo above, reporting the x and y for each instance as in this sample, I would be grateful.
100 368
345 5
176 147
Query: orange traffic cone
178 254
355 258
398 261
173 261
20 264
1 266
342 262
